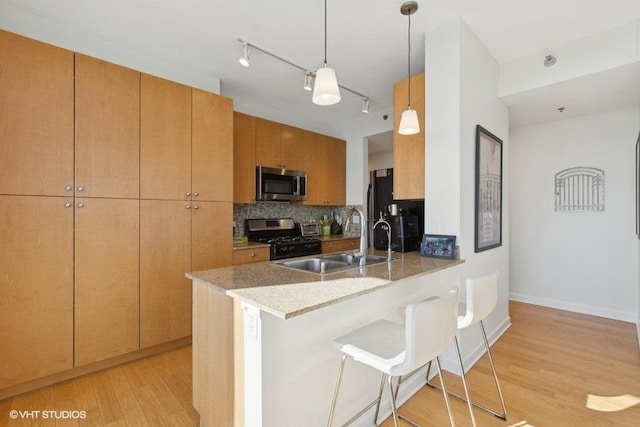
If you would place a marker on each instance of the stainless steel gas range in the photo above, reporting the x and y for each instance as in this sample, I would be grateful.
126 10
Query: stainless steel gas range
281 235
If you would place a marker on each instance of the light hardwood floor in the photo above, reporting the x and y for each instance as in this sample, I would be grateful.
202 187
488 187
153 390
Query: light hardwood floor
548 362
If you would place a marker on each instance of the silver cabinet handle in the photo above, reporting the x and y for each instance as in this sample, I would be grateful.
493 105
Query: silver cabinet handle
195 194
195 206
81 188
188 207
81 205
67 205
253 254
68 188
188 194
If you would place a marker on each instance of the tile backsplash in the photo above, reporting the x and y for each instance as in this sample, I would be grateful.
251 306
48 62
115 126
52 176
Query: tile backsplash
300 213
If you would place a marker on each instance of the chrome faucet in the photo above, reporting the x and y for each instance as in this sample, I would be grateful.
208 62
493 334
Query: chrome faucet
388 230
362 253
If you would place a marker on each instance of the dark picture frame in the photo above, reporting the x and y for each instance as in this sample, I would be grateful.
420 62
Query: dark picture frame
438 246
488 190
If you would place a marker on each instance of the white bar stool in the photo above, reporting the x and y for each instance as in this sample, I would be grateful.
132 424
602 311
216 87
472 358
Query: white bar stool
482 296
397 350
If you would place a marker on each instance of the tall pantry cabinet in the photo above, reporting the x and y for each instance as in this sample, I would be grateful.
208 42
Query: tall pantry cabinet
92 259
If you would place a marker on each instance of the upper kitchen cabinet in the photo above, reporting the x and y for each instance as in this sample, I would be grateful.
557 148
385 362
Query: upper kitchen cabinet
212 147
335 155
107 123
408 150
36 106
165 139
278 145
325 164
244 158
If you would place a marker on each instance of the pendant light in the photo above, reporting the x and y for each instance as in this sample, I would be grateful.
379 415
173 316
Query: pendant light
409 123
325 89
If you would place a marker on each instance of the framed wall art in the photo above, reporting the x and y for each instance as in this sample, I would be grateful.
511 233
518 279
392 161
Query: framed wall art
488 189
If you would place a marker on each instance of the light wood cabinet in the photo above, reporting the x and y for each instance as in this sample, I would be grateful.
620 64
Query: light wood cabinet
212 232
165 256
36 307
107 250
107 129
177 237
250 254
36 110
335 152
278 145
244 158
325 163
409 150
165 139
212 147
340 245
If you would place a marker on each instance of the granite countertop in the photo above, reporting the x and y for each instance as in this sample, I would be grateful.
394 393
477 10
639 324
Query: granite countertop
285 292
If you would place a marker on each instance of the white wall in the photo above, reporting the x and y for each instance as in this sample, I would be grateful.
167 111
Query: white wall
581 261
461 92
382 160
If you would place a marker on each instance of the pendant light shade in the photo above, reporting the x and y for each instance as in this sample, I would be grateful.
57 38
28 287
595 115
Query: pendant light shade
325 90
409 123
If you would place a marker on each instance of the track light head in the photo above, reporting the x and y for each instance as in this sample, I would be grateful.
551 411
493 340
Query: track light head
244 59
308 77
365 105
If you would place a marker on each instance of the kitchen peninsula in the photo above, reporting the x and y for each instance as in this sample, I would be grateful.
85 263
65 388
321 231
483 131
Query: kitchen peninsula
263 335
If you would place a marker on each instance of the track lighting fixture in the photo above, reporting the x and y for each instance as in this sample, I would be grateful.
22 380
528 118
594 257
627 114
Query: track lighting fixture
365 105
307 80
325 89
244 59
409 123
309 76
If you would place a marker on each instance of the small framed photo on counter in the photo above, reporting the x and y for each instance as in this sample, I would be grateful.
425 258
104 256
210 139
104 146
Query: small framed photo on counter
438 246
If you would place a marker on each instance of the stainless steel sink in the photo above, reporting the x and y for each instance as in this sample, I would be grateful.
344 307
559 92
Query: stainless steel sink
331 263
352 259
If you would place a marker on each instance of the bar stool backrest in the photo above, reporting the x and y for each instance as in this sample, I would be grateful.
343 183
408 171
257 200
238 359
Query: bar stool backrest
430 327
482 296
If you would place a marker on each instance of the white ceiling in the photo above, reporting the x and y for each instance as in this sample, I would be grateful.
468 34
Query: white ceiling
366 39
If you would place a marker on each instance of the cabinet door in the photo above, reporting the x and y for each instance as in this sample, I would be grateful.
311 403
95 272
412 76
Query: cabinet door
408 150
165 139
36 290
36 111
165 256
107 251
268 148
335 152
315 166
212 232
244 158
212 147
291 147
107 110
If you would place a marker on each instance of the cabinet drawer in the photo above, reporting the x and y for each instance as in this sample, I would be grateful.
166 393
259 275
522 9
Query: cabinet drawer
245 256
340 245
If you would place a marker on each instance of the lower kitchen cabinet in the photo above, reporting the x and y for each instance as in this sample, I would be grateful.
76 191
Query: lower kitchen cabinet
249 254
107 264
177 237
36 289
338 245
165 256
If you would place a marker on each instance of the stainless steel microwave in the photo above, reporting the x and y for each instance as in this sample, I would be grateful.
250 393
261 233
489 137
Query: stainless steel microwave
280 184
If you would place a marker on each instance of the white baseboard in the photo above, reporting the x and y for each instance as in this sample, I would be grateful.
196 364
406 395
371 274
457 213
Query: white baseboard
624 316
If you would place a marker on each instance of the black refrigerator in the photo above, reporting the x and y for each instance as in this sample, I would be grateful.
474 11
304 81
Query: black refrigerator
405 216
